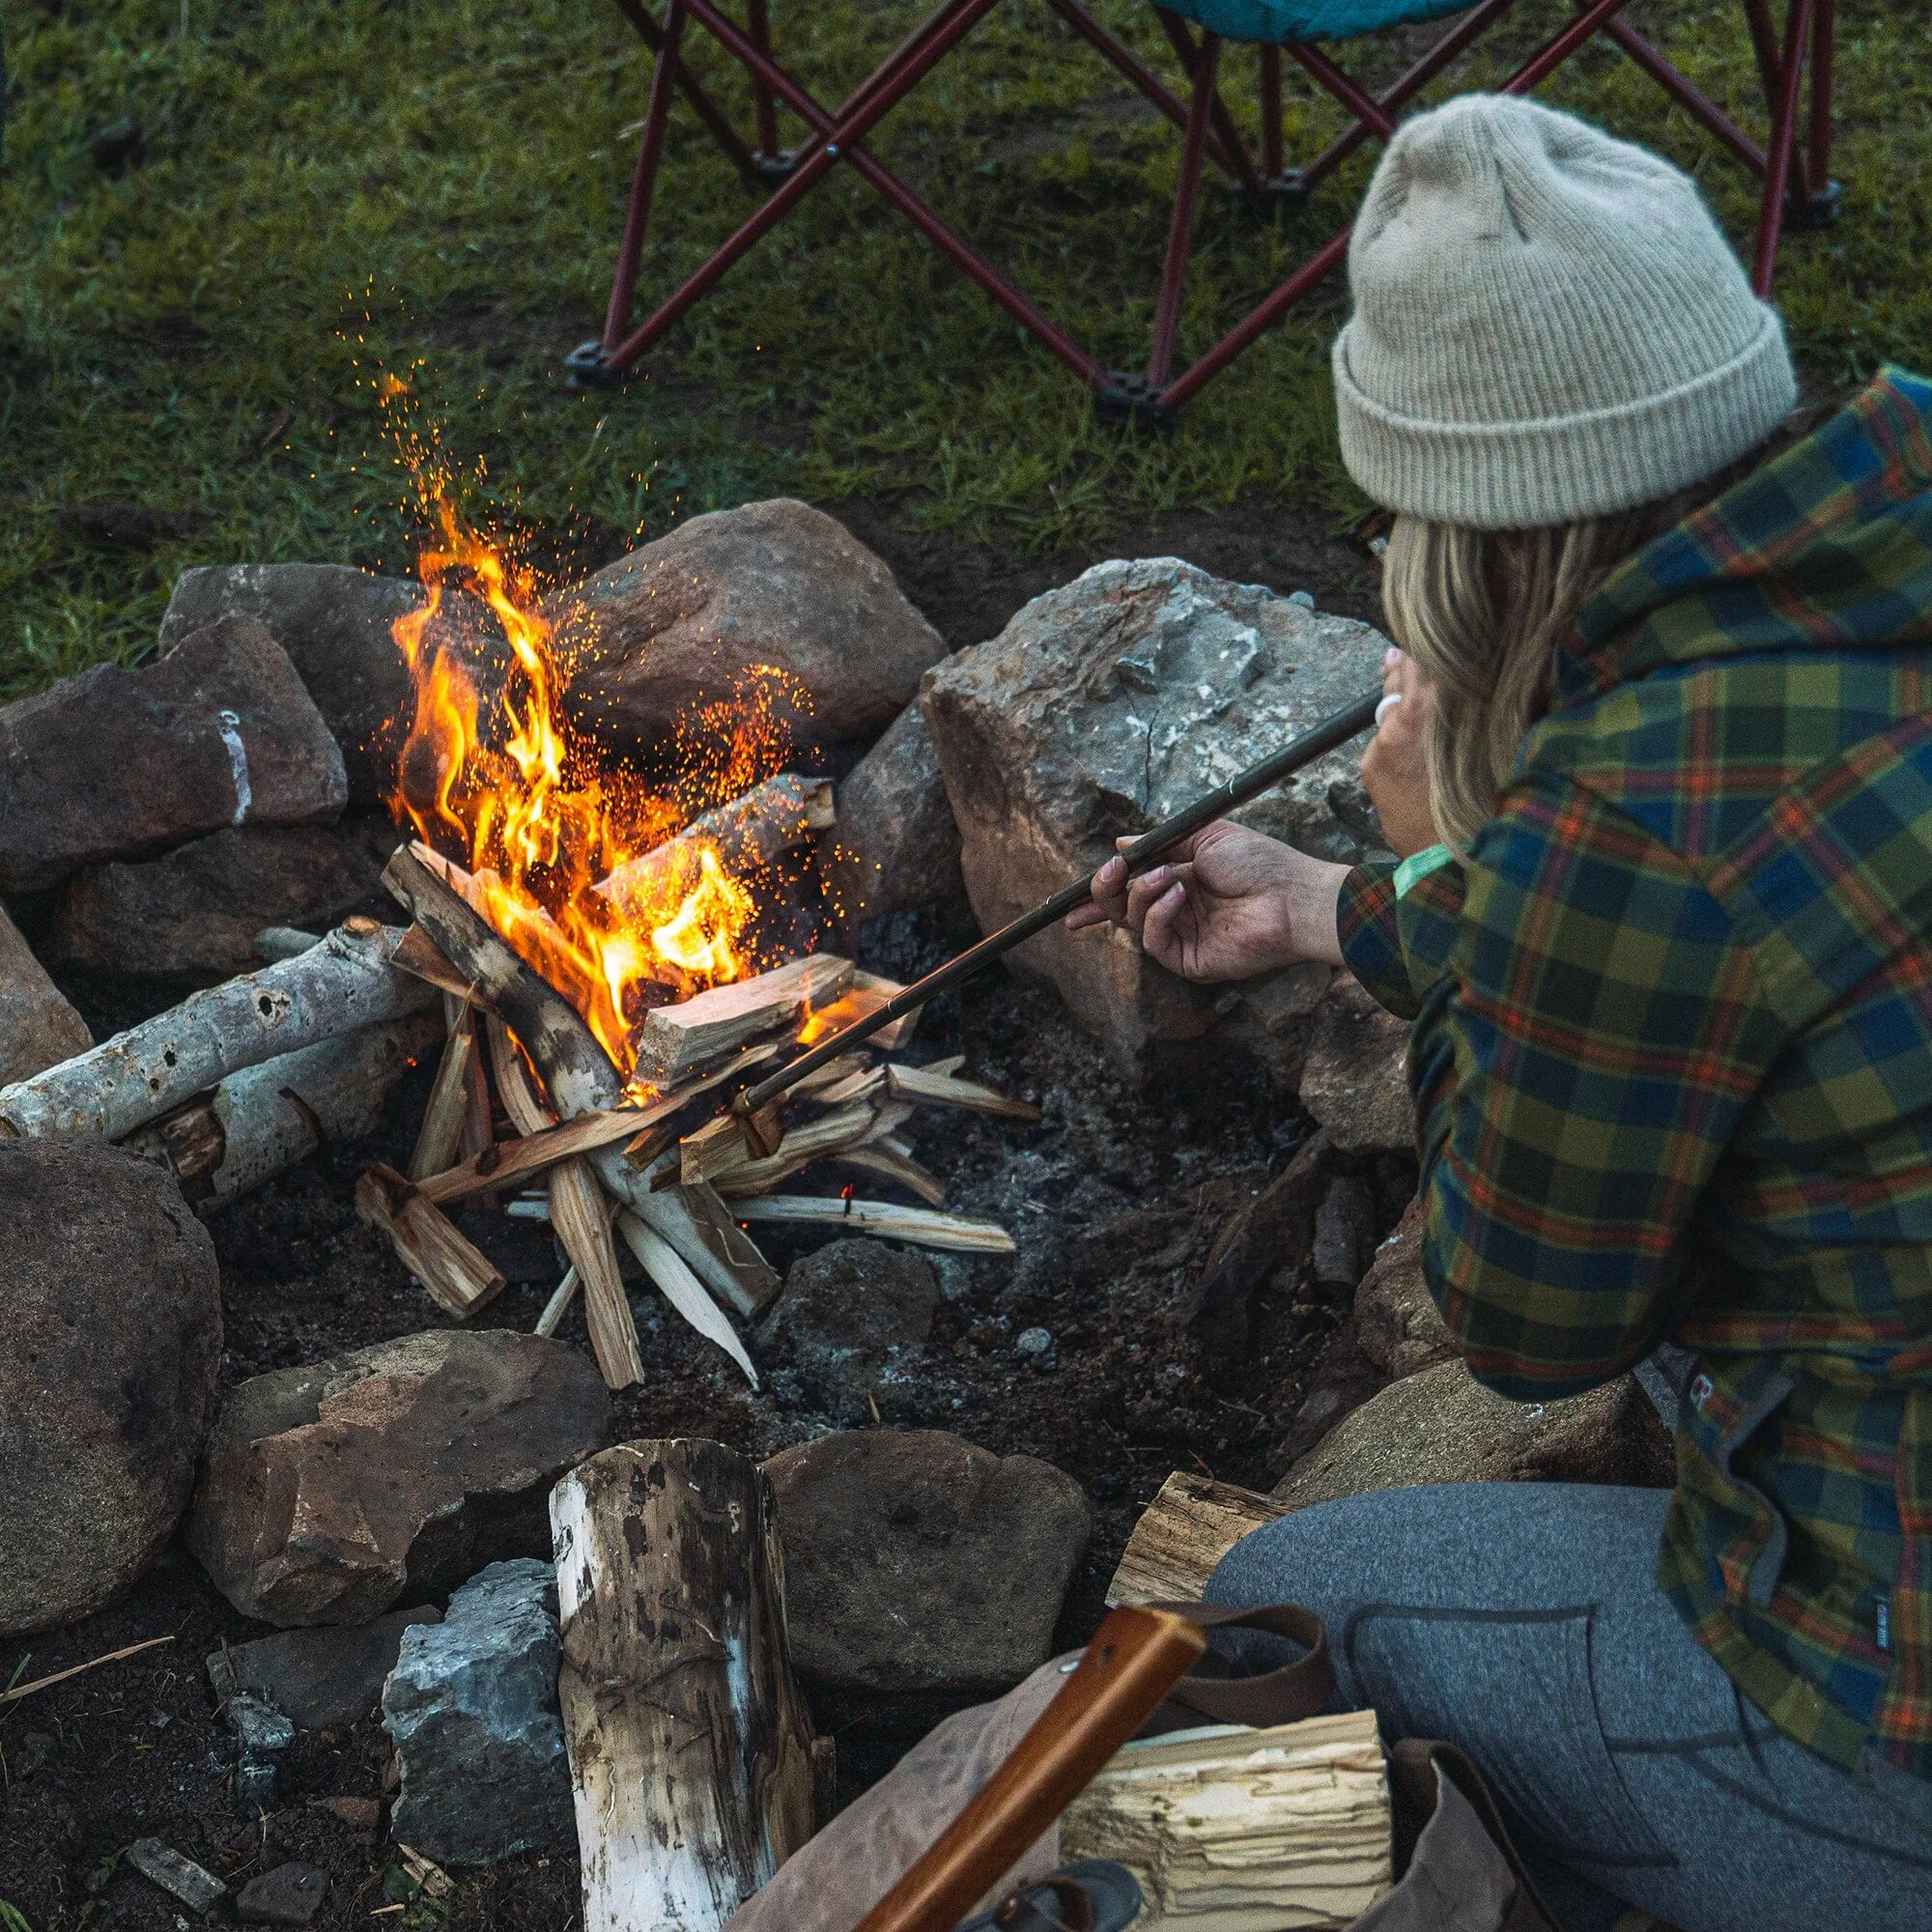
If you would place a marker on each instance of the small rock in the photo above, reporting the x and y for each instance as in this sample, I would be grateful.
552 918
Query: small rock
38 1028
895 845
915 1561
1106 705
116 764
193 914
117 144
263 1734
320 1677
290 1894
162 1865
473 1708
330 1490
335 623
1444 1426
1344 1233
1355 1078
108 1359
1034 1341
1398 1325
684 620
854 1318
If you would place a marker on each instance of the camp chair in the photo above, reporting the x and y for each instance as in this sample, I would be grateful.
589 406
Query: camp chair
1796 189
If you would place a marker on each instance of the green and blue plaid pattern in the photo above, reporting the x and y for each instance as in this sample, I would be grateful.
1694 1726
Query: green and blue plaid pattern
1672 1057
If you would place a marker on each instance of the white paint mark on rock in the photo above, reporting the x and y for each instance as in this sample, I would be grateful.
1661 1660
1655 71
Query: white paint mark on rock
230 726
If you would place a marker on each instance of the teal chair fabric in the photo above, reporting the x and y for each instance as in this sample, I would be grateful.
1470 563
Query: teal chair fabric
1277 22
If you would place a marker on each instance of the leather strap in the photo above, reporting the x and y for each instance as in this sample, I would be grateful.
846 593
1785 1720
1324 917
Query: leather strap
1209 1695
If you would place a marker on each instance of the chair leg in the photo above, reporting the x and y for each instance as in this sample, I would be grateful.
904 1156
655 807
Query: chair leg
1781 154
1271 129
1228 135
764 109
1821 207
644 182
1180 228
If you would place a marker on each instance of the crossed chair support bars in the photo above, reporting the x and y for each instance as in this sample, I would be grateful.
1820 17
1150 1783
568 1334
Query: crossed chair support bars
1795 176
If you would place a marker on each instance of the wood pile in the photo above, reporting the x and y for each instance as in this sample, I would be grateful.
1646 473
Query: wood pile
674 1176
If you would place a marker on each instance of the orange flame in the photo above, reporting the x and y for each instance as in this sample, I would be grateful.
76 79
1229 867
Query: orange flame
539 816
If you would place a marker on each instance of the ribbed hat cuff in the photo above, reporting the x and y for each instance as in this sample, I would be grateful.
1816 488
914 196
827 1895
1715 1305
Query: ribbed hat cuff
1524 475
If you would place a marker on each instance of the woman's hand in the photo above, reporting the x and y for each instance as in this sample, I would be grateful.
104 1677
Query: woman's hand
1229 904
1394 768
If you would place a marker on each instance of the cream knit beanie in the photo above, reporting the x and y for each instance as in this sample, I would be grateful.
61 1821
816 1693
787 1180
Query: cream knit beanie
1547 326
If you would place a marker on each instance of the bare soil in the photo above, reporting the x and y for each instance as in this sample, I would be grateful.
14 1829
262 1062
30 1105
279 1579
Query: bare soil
1114 1199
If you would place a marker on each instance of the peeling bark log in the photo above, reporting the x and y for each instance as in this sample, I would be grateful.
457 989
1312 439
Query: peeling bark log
689 1745
749 833
340 987
262 1120
457 1275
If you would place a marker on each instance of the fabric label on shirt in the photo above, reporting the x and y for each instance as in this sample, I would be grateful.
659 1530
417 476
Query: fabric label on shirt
1418 866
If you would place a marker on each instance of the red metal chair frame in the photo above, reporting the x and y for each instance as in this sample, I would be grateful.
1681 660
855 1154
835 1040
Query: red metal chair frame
1795 186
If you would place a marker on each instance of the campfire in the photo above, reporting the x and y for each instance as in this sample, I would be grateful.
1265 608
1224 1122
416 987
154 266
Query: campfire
600 960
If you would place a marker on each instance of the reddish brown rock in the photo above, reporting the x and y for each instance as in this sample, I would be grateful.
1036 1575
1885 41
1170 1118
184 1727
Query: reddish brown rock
38 1028
109 1357
684 620
194 913
117 764
1398 1325
329 1492
335 624
895 845
1355 1078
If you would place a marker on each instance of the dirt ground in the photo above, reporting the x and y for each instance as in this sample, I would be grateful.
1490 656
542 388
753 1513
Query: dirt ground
1113 1198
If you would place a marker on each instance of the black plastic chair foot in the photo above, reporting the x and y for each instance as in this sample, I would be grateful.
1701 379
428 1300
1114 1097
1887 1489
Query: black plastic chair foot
584 368
1815 211
1128 399
1286 189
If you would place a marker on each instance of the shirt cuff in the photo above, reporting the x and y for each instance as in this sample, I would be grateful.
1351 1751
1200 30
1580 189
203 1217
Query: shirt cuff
1365 925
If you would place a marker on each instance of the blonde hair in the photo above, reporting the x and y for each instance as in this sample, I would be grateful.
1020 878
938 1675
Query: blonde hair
1484 614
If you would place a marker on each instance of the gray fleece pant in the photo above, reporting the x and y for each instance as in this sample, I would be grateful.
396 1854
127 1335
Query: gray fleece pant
1521 1622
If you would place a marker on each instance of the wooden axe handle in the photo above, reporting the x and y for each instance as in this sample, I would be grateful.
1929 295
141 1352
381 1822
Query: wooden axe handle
1135 1658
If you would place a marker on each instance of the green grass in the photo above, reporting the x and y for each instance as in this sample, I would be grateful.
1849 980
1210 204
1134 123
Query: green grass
328 190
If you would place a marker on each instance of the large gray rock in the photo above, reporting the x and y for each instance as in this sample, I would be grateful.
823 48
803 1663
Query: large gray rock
108 1359
330 1490
1444 1426
1106 705
684 620
194 913
116 764
852 1324
473 1708
38 1028
895 845
1398 1325
1355 1078
335 624
915 1561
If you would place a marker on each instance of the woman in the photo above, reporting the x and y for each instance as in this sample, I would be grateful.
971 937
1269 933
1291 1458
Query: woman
1656 755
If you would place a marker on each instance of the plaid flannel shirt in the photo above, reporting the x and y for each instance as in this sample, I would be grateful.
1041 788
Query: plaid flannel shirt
1672 1057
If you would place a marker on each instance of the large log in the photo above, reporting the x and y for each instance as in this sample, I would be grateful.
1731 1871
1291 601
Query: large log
748 834
261 1122
689 1745
344 983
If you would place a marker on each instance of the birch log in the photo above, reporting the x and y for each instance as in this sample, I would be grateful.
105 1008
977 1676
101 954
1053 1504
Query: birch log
689 1745
344 983
262 1120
